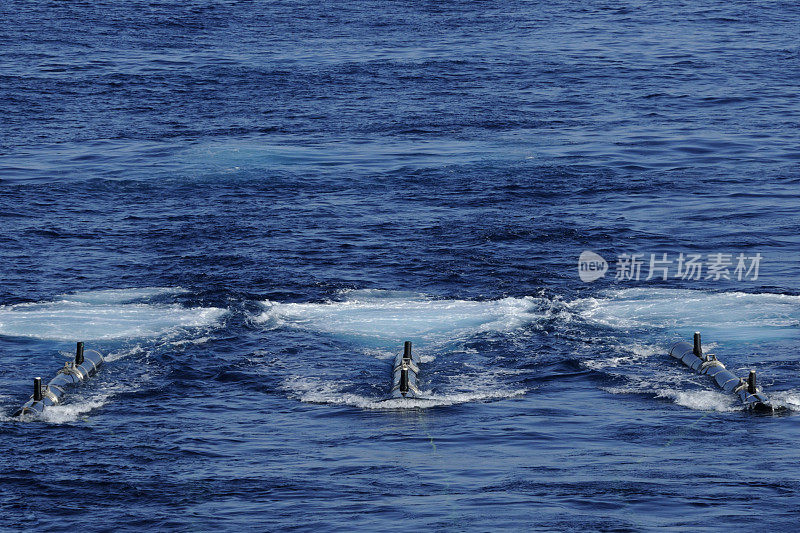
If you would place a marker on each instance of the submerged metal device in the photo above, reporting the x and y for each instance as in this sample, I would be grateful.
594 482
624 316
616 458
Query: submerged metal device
74 372
692 356
405 383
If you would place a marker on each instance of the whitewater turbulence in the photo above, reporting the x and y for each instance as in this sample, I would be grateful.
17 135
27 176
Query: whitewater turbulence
638 324
732 315
103 315
378 322
112 318
385 319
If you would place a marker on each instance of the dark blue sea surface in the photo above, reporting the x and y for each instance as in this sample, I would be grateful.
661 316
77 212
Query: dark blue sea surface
249 206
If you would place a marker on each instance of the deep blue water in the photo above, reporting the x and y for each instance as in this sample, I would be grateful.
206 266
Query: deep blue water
249 206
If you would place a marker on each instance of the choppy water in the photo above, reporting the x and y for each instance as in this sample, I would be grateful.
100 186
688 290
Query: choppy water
249 206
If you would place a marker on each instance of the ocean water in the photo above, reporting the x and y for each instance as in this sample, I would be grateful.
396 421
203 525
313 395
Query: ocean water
249 206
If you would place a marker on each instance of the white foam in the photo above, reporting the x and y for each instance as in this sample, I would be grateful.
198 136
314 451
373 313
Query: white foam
110 296
789 399
382 318
64 413
379 321
702 400
187 342
313 390
737 315
103 315
633 354
698 399
71 412
123 352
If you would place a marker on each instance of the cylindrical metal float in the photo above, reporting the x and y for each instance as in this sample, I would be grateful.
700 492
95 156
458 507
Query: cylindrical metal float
74 372
692 356
405 383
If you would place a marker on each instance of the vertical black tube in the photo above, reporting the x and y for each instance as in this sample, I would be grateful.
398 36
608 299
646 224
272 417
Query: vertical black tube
751 382
698 349
404 380
407 350
79 354
37 389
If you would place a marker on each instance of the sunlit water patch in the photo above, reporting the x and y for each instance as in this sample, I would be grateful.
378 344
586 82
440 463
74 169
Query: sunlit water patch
350 155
